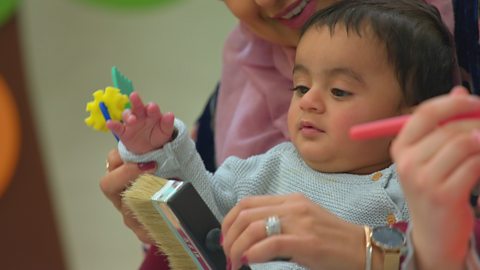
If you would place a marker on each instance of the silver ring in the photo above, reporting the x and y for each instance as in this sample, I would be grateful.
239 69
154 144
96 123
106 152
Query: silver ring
273 226
107 165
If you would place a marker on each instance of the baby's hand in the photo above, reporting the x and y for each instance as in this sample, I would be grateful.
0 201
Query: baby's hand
144 127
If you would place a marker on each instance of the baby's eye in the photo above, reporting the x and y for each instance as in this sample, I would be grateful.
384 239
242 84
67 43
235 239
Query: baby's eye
300 89
340 93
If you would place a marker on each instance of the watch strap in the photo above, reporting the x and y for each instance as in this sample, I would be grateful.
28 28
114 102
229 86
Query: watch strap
391 260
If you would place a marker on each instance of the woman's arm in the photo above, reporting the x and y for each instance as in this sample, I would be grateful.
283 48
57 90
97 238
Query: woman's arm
438 167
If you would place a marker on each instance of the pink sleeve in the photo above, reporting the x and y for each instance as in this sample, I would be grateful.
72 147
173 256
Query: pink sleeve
254 96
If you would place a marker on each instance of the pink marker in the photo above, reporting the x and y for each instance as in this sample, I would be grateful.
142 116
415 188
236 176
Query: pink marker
391 126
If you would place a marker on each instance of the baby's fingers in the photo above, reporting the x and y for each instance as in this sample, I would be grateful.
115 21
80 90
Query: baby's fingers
166 126
152 111
138 108
116 127
163 126
165 121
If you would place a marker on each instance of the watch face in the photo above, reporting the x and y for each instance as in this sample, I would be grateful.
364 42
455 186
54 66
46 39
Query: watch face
387 237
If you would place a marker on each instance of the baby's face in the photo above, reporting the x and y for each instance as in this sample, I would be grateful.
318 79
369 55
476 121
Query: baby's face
341 80
278 21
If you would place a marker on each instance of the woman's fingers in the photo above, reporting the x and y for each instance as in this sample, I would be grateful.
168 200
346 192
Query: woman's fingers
431 114
253 229
120 175
464 178
242 226
429 163
452 155
251 209
113 160
253 233
117 180
437 138
285 246
309 235
251 202
431 152
246 223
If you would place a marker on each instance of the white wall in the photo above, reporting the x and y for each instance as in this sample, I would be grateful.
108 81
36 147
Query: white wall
171 53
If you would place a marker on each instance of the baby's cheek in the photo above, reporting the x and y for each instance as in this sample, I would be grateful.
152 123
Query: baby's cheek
343 123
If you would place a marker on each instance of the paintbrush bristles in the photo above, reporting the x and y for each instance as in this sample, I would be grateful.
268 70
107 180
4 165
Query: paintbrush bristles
138 199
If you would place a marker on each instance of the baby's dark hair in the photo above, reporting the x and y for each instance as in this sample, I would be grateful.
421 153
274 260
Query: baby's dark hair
418 44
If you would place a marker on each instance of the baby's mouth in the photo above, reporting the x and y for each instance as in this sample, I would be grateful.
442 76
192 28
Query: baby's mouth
308 126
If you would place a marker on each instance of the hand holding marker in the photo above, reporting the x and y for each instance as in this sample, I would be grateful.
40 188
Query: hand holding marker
392 126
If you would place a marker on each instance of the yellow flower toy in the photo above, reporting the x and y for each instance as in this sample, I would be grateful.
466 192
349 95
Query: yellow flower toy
108 104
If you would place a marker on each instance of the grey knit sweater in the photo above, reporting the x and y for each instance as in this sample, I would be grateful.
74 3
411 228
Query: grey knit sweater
361 199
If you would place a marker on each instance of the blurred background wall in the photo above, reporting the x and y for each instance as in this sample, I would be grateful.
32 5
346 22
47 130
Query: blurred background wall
171 52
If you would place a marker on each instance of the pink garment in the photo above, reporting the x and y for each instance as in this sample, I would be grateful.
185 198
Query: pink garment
254 95
446 10
154 260
476 232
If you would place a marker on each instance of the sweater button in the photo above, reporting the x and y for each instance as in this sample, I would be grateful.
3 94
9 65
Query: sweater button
376 176
391 219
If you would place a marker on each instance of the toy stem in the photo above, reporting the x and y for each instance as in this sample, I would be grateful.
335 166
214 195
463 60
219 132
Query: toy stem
106 115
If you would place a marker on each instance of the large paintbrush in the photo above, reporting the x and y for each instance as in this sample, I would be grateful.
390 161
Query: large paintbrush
178 220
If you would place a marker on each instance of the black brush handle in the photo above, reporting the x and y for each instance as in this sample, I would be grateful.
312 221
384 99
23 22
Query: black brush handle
202 226
197 219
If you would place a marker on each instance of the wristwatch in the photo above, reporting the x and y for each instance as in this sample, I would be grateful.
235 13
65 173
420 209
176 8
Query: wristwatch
391 241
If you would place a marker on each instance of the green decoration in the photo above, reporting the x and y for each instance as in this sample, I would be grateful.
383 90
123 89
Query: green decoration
6 9
130 3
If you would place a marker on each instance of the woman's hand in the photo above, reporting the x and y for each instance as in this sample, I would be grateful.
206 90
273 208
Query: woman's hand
118 177
438 167
310 235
